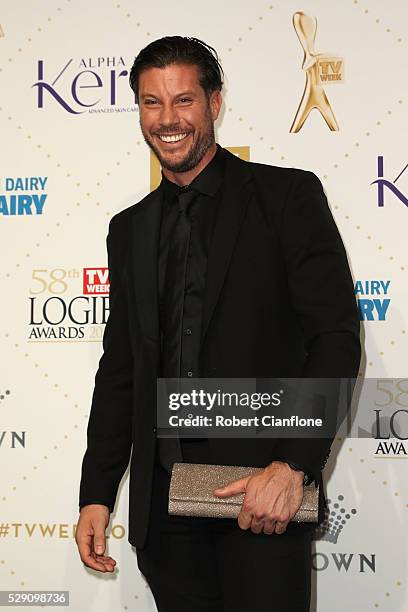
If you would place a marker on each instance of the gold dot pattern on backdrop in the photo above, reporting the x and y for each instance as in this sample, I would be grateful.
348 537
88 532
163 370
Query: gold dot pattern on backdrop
7 392
68 174
367 133
387 30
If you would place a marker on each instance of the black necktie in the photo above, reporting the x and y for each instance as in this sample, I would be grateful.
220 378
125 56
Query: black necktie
174 288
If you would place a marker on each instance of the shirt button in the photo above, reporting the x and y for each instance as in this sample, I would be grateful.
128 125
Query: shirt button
188 331
154 429
189 373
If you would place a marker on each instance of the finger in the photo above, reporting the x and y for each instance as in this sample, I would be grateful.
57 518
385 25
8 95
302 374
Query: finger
256 525
236 486
244 519
85 550
269 526
90 560
281 527
107 562
100 563
99 541
105 559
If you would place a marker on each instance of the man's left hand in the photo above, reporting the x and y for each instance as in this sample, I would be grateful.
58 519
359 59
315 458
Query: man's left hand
271 500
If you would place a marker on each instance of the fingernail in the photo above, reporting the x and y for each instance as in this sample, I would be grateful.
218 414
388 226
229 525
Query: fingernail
99 549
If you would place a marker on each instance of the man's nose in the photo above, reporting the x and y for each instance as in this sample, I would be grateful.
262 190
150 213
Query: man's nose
168 115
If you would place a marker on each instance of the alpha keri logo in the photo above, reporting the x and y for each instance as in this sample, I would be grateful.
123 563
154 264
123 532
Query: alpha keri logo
384 184
92 85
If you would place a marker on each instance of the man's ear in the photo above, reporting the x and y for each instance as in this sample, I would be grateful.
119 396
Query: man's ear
215 104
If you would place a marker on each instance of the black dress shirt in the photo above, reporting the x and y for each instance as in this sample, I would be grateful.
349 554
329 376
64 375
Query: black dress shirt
202 214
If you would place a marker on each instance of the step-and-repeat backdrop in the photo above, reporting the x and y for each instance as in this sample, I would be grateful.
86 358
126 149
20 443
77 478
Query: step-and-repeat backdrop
319 85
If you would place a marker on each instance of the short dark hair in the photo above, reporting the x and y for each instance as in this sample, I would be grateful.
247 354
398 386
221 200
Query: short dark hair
179 50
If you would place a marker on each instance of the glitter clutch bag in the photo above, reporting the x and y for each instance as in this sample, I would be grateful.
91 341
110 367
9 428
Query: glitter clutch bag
192 485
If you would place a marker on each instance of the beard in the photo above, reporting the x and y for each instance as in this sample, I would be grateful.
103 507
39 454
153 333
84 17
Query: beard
196 152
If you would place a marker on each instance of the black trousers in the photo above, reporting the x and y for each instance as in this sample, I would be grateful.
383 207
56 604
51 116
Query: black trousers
195 564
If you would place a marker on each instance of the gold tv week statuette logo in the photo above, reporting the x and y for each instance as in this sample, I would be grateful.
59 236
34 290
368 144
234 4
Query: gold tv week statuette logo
321 69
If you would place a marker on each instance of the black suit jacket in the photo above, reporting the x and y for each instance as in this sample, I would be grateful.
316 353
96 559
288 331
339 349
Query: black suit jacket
279 302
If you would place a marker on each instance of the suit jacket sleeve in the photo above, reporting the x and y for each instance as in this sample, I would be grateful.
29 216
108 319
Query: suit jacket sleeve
322 292
109 432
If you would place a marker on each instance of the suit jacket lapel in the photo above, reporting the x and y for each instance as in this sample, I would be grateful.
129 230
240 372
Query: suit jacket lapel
229 218
145 243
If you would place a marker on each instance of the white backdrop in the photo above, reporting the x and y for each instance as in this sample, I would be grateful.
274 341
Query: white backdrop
89 162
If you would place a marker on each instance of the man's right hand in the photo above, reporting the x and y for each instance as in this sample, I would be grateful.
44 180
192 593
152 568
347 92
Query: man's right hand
90 537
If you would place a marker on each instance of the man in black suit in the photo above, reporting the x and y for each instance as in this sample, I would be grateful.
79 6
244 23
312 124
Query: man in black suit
229 269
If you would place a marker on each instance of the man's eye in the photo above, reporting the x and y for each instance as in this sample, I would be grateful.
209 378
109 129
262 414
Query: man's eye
185 100
150 102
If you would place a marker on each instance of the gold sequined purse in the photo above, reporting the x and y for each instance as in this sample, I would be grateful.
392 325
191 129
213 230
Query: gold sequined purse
192 485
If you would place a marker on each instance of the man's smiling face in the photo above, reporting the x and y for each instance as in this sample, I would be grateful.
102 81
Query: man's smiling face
176 117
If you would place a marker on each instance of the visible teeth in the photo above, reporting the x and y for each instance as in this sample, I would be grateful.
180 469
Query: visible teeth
173 138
